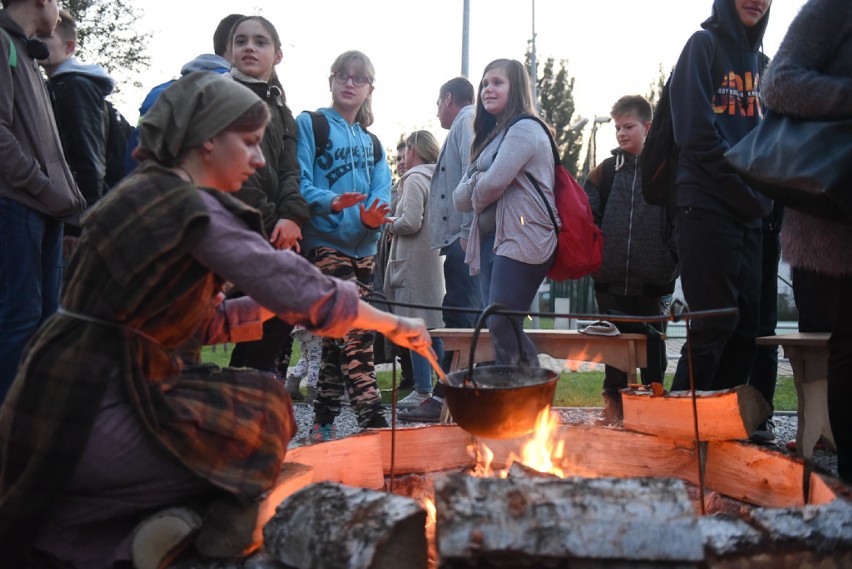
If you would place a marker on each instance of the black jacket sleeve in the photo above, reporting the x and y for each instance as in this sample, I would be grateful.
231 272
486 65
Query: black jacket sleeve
290 203
78 105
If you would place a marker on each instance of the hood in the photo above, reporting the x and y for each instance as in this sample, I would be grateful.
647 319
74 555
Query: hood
725 22
621 159
11 26
206 62
94 72
420 170
266 91
333 116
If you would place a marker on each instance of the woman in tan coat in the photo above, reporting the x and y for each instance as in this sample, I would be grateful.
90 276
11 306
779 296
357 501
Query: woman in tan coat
415 272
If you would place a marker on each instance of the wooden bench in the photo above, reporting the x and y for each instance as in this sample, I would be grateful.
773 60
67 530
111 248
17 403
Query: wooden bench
808 355
625 351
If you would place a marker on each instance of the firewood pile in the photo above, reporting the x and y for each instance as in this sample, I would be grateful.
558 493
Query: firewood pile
628 498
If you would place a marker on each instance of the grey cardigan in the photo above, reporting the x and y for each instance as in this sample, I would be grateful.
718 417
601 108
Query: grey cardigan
523 231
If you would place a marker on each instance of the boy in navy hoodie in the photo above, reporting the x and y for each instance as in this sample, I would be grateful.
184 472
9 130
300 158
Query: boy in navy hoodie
715 93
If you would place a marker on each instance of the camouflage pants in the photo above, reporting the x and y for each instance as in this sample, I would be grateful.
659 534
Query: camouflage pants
347 363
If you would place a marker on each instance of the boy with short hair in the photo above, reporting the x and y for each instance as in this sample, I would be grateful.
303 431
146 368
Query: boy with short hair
37 190
639 266
77 94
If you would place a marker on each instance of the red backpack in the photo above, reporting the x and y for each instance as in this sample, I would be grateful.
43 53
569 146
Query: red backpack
579 243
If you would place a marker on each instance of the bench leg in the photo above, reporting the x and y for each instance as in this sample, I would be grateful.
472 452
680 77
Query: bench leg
812 416
445 416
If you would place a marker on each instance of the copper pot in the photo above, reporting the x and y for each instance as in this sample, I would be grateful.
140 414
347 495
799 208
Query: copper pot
498 402
503 402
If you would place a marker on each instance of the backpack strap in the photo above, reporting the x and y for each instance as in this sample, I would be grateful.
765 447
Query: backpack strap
556 161
319 124
546 205
553 148
607 176
13 51
377 147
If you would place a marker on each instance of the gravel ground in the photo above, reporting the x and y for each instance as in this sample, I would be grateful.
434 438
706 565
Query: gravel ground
346 425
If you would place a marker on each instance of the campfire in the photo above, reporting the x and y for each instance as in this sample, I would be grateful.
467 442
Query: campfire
435 496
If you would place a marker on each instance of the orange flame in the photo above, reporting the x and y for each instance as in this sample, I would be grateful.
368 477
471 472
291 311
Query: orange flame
431 523
484 457
539 452
431 513
542 448
581 359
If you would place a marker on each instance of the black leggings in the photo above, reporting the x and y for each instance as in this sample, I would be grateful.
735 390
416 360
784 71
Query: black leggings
836 292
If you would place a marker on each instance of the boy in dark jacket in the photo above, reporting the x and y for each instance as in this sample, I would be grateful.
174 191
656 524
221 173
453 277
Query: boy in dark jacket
719 217
639 269
77 93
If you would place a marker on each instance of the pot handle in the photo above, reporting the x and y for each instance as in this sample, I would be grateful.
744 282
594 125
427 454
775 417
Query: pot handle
480 322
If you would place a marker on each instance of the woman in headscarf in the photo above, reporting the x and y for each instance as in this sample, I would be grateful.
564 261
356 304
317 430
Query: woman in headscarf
104 426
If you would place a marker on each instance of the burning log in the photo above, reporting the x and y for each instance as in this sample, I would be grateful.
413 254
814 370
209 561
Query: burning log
293 477
332 526
813 536
535 522
732 414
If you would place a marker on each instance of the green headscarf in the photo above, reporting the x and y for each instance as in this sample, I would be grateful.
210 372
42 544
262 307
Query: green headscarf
197 107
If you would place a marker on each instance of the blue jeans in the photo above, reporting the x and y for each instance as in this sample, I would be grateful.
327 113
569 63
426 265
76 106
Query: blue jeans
720 267
30 277
513 284
462 288
422 370
462 292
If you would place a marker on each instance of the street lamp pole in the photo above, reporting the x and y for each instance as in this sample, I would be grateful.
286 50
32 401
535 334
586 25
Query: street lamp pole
465 38
533 65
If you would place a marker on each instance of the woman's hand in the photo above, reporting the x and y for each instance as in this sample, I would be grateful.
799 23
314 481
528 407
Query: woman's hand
375 215
411 333
405 332
286 235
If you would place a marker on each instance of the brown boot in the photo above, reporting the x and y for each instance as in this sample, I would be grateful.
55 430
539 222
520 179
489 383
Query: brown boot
613 410
230 529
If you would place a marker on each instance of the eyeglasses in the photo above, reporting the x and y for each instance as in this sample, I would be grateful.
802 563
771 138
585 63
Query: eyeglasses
358 80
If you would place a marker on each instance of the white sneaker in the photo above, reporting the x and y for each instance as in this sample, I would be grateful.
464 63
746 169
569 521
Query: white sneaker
413 399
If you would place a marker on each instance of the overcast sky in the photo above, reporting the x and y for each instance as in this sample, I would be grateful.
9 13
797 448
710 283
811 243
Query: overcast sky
612 47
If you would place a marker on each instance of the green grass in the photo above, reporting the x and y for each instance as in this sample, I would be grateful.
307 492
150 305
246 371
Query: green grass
575 389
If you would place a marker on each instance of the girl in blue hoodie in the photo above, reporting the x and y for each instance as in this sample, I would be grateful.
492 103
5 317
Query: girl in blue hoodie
348 192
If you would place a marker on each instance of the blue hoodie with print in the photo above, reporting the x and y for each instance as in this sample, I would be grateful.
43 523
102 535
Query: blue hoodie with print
712 113
346 165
